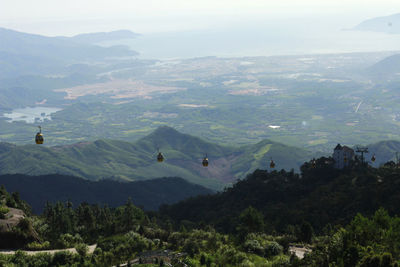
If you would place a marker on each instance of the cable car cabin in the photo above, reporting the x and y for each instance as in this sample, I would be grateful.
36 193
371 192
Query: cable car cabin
205 162
160 157
373 158
39 137
272 164
314 163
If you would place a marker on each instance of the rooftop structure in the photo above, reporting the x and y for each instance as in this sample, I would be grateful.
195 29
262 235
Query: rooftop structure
342 155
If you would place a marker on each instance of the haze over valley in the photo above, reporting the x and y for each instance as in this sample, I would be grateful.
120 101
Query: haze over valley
310 101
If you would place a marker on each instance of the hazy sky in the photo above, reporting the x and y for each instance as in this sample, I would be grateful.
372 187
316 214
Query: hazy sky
67 17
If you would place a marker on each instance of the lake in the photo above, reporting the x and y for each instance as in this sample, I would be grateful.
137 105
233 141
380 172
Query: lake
31 114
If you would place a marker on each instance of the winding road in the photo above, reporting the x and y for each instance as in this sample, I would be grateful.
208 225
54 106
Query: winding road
52 251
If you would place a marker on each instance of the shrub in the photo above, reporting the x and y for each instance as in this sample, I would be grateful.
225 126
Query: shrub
62 258
281 261
3 211
82 249
273 249
68 240
38 246
253 246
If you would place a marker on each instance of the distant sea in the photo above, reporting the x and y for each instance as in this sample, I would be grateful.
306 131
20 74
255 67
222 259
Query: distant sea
270 40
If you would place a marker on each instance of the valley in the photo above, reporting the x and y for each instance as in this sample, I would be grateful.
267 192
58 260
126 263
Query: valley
316 100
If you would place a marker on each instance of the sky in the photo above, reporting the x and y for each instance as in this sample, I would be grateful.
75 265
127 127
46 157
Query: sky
60 17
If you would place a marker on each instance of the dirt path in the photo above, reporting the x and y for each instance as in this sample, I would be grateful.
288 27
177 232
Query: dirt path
53 251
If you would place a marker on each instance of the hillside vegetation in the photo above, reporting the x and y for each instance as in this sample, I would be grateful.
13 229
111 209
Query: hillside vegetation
38 190
258 222
137 161
321 195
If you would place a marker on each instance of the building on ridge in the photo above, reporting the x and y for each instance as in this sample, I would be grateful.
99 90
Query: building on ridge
343 156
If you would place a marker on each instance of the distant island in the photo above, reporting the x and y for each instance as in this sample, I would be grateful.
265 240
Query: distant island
387 24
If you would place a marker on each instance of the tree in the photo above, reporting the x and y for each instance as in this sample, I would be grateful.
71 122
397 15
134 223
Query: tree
202 259
82 249
251 221
306 232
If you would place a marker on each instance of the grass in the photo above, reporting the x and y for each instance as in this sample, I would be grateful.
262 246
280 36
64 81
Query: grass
318 142
216 127
263 150
133 131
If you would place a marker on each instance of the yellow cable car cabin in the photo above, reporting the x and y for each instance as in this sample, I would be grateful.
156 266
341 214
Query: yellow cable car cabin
39 137
314 163
272 164
160 157
205 162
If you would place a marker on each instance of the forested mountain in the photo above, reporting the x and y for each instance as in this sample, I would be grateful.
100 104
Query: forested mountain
260 221
137 161
321 195
37 190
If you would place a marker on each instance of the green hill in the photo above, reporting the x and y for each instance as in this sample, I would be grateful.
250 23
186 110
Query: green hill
38 190
259 155
136 161
384 151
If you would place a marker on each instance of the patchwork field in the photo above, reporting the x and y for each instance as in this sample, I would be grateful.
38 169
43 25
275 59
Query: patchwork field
118 89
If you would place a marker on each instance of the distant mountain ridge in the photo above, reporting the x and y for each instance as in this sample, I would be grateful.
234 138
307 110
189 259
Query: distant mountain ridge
97 37
387 24
32 54
136 161
37 190
20 43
